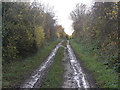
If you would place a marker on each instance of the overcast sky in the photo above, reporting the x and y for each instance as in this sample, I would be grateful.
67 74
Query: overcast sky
62 9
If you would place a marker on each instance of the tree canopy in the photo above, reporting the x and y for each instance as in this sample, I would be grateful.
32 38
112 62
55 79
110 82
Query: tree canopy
25 27
98 28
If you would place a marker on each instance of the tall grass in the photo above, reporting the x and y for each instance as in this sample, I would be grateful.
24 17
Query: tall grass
105 77
15 72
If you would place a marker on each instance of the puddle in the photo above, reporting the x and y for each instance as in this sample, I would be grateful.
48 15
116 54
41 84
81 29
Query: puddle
72 67
38 76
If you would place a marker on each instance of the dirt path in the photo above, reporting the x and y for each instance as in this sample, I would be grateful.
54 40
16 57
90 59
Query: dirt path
38 76
74 76
68 76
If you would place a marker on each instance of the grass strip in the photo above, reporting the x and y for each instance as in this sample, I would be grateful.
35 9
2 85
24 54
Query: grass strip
106 78
13 73
54 76
64 43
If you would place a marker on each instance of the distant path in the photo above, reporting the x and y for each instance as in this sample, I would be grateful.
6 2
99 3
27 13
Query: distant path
74 76
38 76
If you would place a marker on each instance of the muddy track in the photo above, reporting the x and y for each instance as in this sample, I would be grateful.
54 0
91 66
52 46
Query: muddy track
74 76
68 77
38 76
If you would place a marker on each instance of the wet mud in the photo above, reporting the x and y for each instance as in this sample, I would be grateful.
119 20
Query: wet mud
74 74
37 78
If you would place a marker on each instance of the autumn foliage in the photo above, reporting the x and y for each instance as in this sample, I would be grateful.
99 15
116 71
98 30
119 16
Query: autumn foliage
97 30
60 32
25 27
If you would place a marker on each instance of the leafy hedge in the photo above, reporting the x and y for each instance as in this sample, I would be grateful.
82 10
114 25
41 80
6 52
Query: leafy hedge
24 29
97 30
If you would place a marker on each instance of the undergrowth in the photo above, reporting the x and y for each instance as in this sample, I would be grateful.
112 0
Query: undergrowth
13 73
105 77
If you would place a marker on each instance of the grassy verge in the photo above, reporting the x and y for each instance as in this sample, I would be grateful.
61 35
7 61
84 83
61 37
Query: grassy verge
54 77
14 72
106 78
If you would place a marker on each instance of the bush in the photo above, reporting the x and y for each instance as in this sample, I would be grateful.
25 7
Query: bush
39 36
